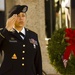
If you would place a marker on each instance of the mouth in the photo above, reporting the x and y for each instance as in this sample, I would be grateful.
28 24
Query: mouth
21 22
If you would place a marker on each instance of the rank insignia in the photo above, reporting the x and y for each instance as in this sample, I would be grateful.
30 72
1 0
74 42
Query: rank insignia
14 56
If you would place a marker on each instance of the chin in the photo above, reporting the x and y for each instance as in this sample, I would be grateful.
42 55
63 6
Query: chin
21 25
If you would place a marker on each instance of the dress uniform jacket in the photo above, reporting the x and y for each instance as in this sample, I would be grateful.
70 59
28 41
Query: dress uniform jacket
21 57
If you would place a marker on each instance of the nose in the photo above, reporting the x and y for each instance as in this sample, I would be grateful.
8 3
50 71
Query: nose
21 18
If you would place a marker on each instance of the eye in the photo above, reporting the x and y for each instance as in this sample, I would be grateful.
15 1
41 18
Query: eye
18 15
23 15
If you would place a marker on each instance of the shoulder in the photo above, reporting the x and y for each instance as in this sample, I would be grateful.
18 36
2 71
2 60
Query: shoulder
30 31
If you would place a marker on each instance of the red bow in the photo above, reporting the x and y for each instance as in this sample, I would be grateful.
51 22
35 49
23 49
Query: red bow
70 39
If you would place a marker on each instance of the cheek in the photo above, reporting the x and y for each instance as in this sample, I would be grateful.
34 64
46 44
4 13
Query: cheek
24 18
16 22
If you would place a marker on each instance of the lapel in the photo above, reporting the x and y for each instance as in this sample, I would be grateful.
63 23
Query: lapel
26 34
16 34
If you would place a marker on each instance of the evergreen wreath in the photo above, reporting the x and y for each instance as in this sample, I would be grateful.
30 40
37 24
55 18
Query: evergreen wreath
56 48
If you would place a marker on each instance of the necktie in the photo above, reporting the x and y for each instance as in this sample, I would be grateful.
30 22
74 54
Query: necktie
22 35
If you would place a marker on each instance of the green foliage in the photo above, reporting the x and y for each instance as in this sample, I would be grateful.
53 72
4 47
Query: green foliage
56 48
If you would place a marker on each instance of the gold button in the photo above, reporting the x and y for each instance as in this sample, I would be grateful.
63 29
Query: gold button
22 64
23 45
23 51
22 58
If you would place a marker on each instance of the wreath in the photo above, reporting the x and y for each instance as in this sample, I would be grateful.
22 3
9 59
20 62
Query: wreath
61 50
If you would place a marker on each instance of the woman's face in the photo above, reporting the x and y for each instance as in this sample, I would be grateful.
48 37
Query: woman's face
21 20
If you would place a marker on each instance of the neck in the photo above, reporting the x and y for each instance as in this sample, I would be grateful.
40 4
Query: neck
19 28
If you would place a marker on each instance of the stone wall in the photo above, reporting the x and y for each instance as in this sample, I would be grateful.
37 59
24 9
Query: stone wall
36 22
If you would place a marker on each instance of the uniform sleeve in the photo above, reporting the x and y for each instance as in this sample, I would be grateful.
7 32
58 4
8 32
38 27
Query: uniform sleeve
38 61
3 34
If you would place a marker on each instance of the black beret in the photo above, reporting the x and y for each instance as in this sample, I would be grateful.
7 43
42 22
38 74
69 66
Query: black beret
17 9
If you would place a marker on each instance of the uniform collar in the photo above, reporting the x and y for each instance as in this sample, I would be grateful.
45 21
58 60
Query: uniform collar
22 31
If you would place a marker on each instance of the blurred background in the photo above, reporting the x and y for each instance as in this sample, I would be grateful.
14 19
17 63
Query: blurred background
43 17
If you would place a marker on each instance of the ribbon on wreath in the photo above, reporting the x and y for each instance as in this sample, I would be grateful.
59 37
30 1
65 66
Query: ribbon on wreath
70 48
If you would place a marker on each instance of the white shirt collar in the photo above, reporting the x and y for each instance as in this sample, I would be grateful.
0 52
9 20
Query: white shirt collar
22 31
